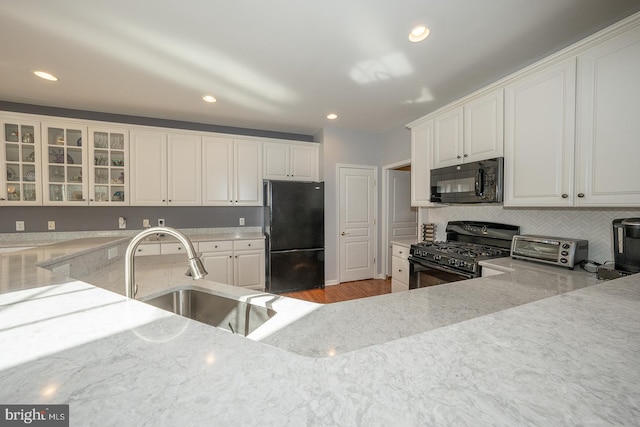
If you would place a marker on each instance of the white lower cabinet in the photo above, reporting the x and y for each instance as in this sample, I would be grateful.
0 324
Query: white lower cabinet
400 269
238 263
217 258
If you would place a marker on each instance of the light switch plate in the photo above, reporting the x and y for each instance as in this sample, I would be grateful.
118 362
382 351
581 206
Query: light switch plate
241 221
146 223
19 225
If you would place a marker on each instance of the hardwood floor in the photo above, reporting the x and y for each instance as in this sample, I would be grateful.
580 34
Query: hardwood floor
344 291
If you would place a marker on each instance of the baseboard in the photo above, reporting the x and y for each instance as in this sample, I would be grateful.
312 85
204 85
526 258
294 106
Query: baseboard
330 282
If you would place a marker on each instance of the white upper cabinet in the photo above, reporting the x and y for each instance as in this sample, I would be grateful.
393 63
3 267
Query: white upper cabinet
65 171
184 184
291 161
109 166
484 127
421 142
166 169
20 159
447 138
539 137
608 124
232 172
148 151
470 132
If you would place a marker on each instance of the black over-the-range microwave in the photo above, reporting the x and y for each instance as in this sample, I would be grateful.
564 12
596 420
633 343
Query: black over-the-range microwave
474 182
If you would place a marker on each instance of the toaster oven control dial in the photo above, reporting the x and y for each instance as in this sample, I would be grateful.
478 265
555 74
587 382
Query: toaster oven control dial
566 246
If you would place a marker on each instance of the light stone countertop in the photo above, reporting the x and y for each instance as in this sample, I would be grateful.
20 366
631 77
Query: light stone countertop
406 242
526 347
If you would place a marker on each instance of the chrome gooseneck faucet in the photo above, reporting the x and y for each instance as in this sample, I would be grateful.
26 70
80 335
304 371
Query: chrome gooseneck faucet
196 269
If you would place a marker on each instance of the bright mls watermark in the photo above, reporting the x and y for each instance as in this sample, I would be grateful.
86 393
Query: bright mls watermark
34 415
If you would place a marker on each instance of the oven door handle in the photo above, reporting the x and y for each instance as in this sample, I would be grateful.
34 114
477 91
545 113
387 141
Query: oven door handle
441 267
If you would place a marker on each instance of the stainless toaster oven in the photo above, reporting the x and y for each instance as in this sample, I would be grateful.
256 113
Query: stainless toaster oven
550 250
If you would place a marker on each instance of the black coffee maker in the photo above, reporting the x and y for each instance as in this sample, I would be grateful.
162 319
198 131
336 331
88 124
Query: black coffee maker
626 244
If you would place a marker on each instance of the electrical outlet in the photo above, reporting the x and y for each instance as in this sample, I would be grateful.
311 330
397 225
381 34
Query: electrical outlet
241 221
146 223
51 225
161 222
122 223
19 225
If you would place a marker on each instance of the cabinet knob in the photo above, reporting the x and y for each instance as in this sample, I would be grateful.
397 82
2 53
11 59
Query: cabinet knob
564 196
581 195
458 157
2 198
466 155
248 244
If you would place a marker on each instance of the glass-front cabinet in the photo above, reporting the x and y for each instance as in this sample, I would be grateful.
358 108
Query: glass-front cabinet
109 158
64 164
20 163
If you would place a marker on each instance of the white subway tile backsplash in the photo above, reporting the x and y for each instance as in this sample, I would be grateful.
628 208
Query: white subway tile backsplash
593 225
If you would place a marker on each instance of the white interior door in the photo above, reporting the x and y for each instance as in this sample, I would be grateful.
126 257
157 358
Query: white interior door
357 222
402 218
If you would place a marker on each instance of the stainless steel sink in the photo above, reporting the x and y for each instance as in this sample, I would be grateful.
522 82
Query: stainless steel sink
226 313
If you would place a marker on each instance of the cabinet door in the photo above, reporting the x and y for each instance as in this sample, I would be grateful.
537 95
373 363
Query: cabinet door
219 266
248 173
65 164
217 171
148 168
108 166
421 143
249 269
276 161
539 138
304 162
447 138
184 170
20 157
608 139
484 127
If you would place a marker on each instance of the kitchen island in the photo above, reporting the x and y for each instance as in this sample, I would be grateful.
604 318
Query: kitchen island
538 348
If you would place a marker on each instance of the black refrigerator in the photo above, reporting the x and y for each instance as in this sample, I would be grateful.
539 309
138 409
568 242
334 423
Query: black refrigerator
294 228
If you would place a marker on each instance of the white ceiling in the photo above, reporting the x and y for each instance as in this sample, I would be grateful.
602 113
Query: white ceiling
279 65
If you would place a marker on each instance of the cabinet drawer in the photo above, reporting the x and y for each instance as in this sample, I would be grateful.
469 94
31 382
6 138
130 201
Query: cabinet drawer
241 245
148 249
400 251
175 248
400 269
216 246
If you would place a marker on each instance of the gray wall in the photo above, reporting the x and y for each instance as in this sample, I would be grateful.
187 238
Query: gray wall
89 218
342 146
395 145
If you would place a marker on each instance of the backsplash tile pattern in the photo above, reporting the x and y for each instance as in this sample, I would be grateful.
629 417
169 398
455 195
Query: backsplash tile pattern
593 225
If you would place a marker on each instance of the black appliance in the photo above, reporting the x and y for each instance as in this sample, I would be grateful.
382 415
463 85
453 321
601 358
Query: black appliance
294 229
626 244
458 258
474 182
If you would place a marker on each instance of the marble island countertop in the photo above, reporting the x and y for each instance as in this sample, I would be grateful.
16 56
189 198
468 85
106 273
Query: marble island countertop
525 347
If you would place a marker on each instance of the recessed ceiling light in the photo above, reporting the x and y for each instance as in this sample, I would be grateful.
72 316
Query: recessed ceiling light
209 98
419 33
332 116
46 76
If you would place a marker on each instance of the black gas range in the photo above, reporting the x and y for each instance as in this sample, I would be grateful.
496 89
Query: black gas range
458 258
